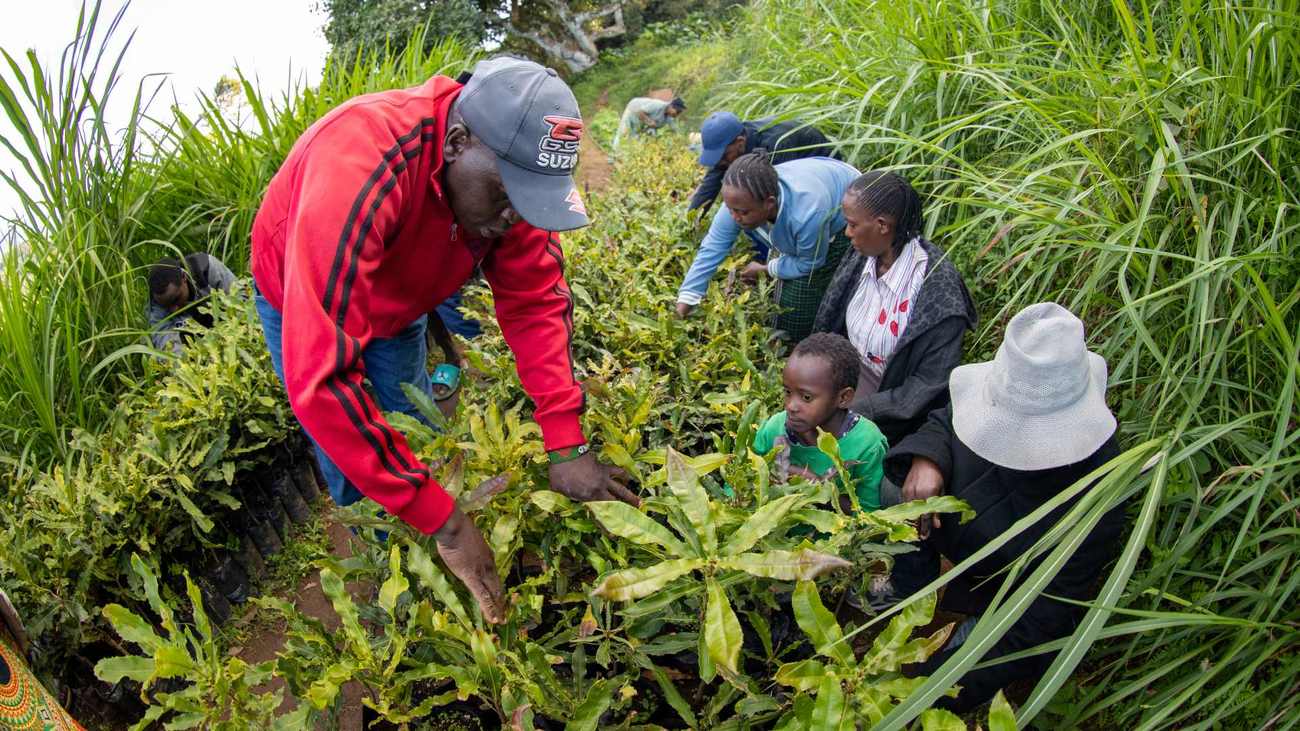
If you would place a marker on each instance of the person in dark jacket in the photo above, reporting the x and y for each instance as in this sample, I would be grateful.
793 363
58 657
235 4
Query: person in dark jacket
1020 429
900 301
177 291
724 138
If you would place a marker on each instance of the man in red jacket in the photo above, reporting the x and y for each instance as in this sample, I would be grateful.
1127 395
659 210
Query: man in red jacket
384 208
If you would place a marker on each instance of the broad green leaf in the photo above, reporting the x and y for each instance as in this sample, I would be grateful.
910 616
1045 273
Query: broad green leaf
113 669
132 627
684 482
937 719
829 445
803 675
819 624
625 521
722 633
1001 716
150 581
635 583
202 521
708 671
829 712
325 689
764 475
804 564
873 701
503 536
395 585
763 521
201 622
823 520
435 581
587 715
550 502
912 510
891 648
333 587
171 661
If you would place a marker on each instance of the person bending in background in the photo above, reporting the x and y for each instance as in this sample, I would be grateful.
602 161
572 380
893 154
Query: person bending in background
818 383
723 138
1020 430
900 302
177 291
793 208
644 113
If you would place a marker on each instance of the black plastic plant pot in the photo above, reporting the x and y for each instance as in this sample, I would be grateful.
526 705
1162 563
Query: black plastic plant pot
228 578
287 494
217 606
250 559
264 536
304 477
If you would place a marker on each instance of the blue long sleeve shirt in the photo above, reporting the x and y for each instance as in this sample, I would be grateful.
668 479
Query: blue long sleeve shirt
808 215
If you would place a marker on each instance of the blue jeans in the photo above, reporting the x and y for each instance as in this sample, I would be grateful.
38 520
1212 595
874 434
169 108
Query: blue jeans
456 322
389 363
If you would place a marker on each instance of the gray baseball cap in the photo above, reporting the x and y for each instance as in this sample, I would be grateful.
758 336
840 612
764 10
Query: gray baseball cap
528 116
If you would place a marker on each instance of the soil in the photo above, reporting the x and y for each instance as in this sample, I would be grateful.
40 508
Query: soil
264 643
594 169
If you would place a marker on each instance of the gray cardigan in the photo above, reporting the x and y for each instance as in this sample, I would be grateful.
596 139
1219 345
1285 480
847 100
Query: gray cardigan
206 273
915 381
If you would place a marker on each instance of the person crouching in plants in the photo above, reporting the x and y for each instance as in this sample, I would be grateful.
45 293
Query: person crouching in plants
793 209
647 113
819 381
177 289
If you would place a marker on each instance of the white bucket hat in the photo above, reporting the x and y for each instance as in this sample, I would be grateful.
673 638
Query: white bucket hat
1041 402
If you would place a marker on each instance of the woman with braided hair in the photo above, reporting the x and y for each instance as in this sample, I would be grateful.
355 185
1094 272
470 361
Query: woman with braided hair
791 209
901 303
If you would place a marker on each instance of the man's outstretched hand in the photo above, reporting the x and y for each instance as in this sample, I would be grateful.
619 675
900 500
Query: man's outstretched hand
585 480
467 555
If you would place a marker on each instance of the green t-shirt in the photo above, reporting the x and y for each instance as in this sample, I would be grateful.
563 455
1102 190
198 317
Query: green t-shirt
862 447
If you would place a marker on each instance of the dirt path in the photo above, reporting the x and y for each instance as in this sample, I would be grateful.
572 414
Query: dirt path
594 168
264 644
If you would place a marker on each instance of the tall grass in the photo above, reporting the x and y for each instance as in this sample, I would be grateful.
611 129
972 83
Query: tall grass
106 201
1137 163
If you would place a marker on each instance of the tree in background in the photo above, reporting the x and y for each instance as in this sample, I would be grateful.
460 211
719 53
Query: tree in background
566 33
354 25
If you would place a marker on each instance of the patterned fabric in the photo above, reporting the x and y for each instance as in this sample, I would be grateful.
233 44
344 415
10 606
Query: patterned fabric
800 298
881 307
943 294
24 704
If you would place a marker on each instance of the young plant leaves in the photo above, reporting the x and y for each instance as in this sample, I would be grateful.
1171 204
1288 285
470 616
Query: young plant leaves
625 521
636 583
722 634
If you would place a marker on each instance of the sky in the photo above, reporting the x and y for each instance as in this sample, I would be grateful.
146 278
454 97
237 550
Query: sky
193 43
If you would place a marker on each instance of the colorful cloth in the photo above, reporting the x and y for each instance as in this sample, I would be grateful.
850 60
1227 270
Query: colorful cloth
862 449
800 298
25 705
879 310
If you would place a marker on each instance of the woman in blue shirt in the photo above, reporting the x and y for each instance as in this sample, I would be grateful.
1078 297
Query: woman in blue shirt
792 208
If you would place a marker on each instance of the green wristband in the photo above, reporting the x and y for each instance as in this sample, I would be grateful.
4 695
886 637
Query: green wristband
568 454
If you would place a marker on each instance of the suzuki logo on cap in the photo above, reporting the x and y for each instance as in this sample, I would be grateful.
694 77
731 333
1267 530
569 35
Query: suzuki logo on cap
558 150
564 128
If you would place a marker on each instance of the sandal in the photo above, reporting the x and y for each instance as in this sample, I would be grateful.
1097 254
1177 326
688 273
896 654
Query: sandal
448 376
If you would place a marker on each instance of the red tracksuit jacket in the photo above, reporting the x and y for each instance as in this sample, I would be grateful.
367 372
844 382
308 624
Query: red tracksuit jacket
355 240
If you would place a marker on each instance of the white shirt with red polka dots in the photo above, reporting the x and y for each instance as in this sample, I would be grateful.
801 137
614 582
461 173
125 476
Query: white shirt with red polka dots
880 308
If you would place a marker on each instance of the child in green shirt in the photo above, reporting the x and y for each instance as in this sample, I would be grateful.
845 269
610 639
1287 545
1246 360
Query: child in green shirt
820 378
